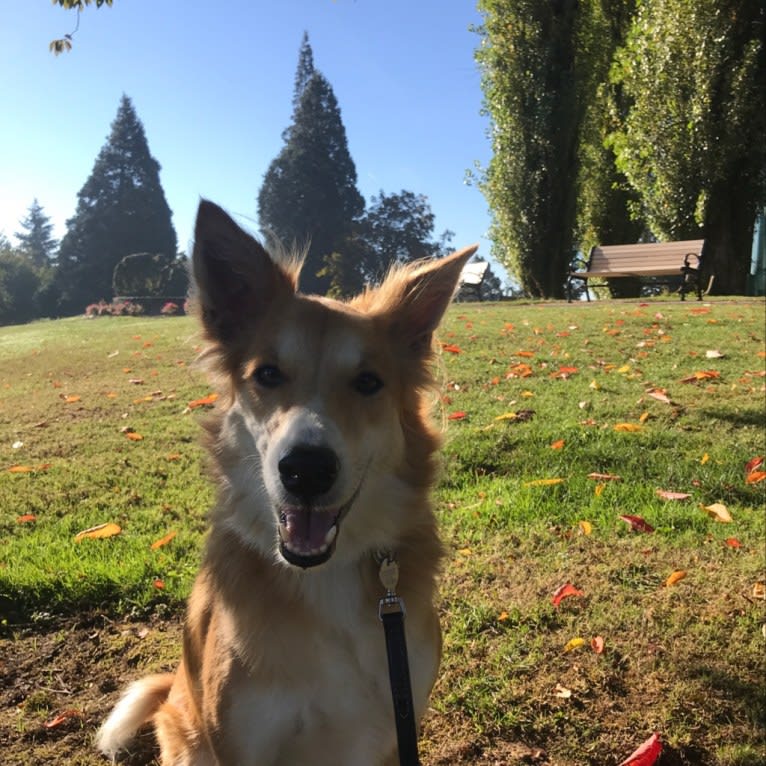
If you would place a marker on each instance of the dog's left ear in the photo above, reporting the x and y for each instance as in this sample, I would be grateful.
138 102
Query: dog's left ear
425 292
236 280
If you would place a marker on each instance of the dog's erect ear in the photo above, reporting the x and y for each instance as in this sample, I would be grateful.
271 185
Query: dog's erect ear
421 295
236 279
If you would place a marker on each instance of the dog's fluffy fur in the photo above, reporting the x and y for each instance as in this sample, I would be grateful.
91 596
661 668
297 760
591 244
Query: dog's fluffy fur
324 456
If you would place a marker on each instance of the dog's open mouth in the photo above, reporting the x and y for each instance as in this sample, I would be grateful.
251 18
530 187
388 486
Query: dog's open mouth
307 537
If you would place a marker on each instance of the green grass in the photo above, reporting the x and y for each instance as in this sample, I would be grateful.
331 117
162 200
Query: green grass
686 660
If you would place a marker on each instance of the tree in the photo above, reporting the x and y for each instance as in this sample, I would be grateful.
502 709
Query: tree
36 241
532 95
65 43
309 195
20 283
395 228
121 209
692 142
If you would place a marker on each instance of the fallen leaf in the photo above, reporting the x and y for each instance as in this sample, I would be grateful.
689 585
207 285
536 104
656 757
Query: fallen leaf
109 529
573 643
704 459
562 692
719 512
667 495
159 584
647 754
133 436
61 718
714 353
637 524
452 348
205 401
754 464
464 552
627 427
564 373
598 490
675 577
566 590
732 542
759 591
696 377
503 616
644 417
558 444
597 644
660 395
586 527
520 370
26 518
163 540
543 482
71 398
755 476
29 468
604 477
458 415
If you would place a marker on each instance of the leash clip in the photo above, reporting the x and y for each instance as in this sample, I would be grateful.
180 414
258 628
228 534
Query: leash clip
389 577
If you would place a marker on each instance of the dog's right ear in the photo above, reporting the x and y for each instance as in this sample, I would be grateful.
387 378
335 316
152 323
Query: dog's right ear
236 279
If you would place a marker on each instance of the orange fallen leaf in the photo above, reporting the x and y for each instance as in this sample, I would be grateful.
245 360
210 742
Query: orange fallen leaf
564 373
205 401
558 444
637 524
675 577
597 644
520 370
667 495
759 591
163 540
452 348
173 456
719 512
110 529
29 468
627 427
700 375
133 436
71 398
647 754
159 584
457 415
567 590
61 718
503 616
574 643
755 476
543 482
26 518
586 527
732 542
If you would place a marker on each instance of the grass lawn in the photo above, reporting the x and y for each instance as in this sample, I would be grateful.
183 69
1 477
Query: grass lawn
560 420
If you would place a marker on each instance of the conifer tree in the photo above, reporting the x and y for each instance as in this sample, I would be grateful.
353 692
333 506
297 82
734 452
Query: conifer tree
36 241
309 195
121 209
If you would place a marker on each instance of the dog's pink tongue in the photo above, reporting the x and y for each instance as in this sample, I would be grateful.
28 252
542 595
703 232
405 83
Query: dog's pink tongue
307 532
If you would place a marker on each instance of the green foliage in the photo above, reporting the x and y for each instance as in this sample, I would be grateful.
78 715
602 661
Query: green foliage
36 241
121 209
531 93
309 195
147 274
691 142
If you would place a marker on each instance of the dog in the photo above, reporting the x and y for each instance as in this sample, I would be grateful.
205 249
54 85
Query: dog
324 456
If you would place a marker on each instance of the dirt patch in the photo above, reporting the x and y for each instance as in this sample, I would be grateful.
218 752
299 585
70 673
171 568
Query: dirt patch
59 680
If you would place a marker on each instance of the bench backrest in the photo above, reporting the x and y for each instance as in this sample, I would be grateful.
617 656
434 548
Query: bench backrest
644 258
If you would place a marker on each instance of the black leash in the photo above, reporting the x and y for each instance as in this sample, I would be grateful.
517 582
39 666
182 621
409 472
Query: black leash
391 612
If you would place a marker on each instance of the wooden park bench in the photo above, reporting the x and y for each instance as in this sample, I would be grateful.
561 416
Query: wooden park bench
644 259
471 280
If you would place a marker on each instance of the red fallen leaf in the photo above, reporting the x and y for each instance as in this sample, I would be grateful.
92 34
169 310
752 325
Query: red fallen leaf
597 644
205 401
452 348
647 754
62 717
754 464
732 542
565 591
667 495
27 518
458 415
159 584
637 524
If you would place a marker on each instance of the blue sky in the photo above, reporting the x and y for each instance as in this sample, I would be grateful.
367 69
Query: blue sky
212 84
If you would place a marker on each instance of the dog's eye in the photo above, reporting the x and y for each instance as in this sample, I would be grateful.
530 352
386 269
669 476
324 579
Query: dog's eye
268 376
367 383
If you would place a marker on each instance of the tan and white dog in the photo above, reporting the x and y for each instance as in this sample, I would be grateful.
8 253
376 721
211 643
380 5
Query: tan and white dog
324 456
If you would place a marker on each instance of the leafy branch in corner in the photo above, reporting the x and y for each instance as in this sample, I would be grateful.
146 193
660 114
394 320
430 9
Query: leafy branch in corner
65 43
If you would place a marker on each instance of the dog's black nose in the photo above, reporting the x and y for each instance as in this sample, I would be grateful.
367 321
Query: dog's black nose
308 472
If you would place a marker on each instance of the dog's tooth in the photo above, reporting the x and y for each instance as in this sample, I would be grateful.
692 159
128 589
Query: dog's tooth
330 536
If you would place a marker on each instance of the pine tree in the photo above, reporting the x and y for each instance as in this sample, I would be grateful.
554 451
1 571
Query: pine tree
309 195
36 241
121 209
